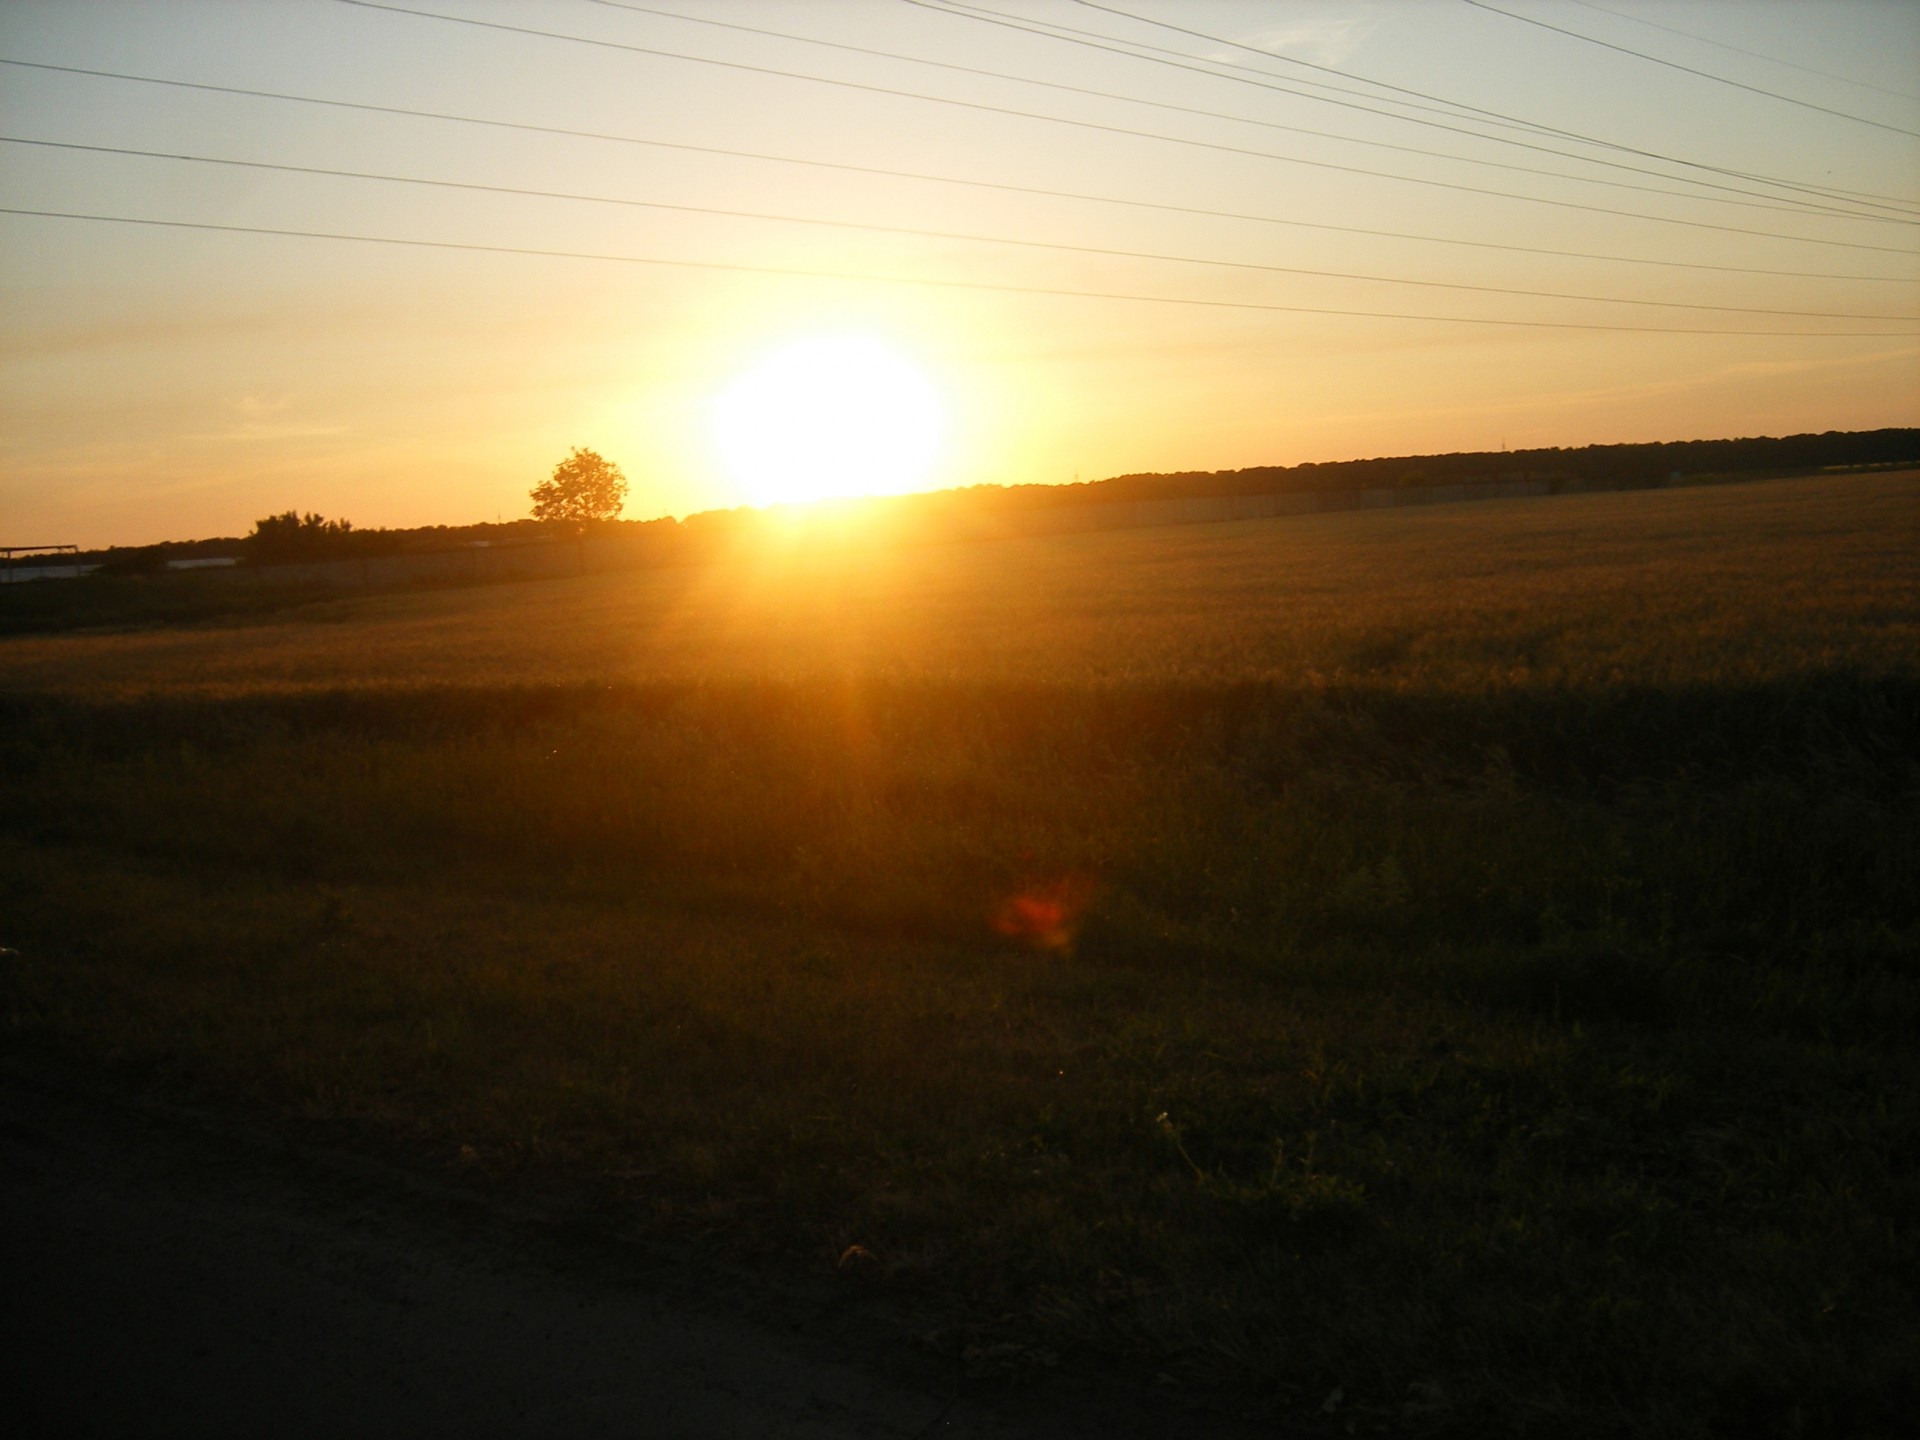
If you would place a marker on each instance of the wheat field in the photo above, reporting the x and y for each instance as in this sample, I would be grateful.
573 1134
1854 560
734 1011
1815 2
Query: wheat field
1715 584
1463 958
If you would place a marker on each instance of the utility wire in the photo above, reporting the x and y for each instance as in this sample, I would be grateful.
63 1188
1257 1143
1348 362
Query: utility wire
1688 69
1417 94
1141 50
1451 110
1737 50
942 284
1115 129
929 178
1831 202
1754 200
962 236
1054 29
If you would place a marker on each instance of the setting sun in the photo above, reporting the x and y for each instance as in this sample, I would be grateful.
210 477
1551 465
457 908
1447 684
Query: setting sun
831 415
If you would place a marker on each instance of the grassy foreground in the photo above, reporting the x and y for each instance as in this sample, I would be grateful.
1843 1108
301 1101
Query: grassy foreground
1464 961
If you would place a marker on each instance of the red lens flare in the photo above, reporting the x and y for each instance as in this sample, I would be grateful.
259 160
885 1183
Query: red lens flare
1045 916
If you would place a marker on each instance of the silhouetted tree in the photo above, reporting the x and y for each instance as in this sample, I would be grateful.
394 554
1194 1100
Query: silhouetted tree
140 560
586 489
293 536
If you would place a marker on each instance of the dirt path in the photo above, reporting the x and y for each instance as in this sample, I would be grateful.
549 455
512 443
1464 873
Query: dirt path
164 1275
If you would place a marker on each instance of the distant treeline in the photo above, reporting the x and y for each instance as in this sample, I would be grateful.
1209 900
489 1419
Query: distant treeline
1598 465
294 538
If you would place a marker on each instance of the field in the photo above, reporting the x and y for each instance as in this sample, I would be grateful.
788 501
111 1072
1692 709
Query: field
1447 971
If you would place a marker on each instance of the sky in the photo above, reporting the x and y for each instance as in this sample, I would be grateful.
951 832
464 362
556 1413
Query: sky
1083 239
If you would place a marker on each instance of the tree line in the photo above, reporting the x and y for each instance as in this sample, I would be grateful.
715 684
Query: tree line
586 492
1616 465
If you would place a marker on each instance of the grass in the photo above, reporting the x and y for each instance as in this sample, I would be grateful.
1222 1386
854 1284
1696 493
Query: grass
1686 587
1464 960
100 602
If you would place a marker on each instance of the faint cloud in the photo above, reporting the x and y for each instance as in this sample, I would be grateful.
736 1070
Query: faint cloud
1324 39
273 432
1796 367
1638 390
257 422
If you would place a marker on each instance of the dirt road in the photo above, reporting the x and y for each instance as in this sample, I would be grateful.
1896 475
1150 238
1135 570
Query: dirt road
170 1274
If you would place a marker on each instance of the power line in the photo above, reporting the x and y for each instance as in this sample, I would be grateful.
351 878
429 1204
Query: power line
1690 70
1180 60
1417 94
929 178
1111 129
1754 199
965 237
943 284
1452 110
1141 50
1752 54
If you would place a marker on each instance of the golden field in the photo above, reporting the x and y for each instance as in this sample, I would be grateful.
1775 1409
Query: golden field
1462 957
1718 584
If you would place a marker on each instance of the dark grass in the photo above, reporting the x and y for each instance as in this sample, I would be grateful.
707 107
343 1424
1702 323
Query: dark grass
1494 997
134 602
1521 1060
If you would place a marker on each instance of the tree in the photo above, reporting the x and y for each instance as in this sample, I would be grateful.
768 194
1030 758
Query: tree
586 489
293 536
138 560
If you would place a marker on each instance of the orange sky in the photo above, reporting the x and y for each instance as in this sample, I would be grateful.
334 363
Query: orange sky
173 382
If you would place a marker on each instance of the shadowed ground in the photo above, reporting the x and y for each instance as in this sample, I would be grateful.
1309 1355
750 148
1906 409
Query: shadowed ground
1454 969
175 1275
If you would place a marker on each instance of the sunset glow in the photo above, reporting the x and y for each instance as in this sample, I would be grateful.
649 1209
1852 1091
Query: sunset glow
388 263
1216 694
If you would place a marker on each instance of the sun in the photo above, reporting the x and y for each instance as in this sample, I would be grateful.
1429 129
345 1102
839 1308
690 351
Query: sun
827 416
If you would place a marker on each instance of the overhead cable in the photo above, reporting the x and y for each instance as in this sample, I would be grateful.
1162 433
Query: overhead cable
1751 54
943 284
1403 90
965 237
1754 200
1115 129
1451 109
1142 50
1690 70
1268 81
929 178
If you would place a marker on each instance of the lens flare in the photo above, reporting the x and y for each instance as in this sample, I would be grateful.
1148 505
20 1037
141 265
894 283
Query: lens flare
1046 917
